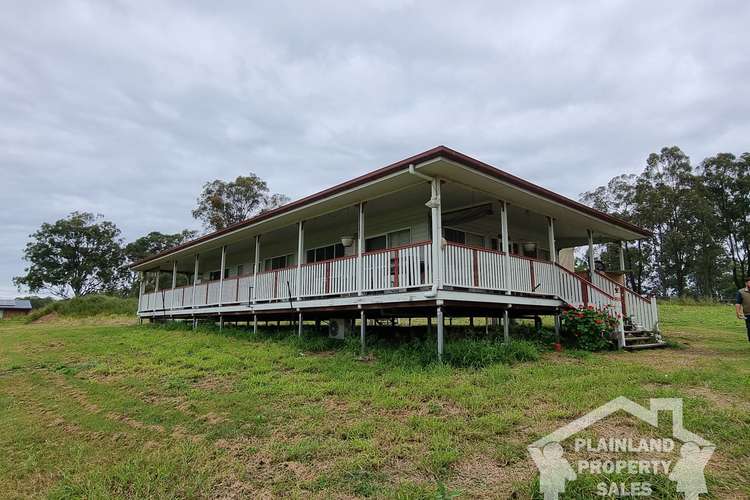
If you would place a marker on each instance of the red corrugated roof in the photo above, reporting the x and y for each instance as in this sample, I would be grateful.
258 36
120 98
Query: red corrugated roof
437 152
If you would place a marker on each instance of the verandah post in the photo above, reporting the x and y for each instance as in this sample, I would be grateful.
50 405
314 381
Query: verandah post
505 245
256 263
221 273
299 324
156 289
300 256
360 247
592 267
141 289
174 282
195 278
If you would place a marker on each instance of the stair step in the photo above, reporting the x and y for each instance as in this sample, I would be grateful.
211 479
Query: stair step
647 337
638 330
646 346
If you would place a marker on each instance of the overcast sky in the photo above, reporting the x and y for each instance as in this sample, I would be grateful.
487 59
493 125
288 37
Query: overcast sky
127 108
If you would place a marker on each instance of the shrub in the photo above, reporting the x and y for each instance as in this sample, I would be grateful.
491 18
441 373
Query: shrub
88 305
589 329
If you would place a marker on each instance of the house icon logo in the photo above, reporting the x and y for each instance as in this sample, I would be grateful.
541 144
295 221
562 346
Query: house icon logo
688 471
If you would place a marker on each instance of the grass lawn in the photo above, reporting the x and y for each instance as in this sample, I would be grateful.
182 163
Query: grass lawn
98 409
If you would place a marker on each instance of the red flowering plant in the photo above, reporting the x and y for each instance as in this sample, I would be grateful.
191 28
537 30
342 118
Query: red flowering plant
589 328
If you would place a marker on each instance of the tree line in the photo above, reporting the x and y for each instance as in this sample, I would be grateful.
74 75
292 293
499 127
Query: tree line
84 254
699 219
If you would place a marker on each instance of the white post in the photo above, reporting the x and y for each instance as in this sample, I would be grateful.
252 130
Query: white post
360 248
506 326
440 326
592 267
255 324
437 235
505 244
195 277
174 282
300 256
622 257
362 326
256 264
141 289
551 236
299 324
221 273
156 289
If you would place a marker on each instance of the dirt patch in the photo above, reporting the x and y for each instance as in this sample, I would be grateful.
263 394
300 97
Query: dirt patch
47 318
220 385
481 477
135 424
212 418
719 399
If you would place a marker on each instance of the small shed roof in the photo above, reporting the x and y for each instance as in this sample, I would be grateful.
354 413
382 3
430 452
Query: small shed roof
15 304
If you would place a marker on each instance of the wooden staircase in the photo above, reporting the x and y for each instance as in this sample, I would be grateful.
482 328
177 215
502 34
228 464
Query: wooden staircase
637 337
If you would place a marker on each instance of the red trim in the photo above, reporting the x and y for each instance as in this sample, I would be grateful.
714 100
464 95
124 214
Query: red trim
475 265
642 297
307 264
622 301
328 277
275 283
585 292
437 152
401 247
395 268
533 276
237 291
474 247
207 282
582 279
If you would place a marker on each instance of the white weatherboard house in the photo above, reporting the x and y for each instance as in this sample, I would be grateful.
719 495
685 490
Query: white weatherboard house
367 248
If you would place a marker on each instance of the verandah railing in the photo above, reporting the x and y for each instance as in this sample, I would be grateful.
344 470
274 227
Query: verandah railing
408 266
641 309
477 267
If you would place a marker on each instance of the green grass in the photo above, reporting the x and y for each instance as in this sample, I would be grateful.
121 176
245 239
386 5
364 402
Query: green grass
93 410
88 306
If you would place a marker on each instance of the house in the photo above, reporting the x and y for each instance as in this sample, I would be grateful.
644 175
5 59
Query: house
10 308
366 248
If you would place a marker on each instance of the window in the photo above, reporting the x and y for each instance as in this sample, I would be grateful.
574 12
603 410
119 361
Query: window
325 253
277 262
214 275
240 269
455 236
376 243
463 237
390 240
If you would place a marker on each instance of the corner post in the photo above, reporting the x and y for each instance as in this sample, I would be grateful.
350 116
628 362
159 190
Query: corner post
221 273
437 234
592 268
360 247
141 289
256 264
440 328
505 244
300 255
299 324
174 283
195 279
551 236
156 289
621 254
